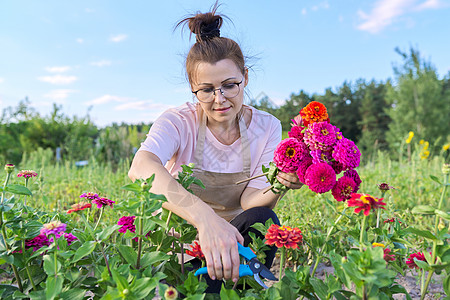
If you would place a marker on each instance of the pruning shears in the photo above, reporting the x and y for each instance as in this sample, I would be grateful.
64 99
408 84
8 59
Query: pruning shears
253 267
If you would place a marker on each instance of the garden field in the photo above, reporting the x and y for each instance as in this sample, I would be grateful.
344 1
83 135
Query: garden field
116 245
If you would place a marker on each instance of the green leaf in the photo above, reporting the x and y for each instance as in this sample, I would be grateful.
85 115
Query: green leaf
73 294
132 187
228 294
128 253
18 189
106 233
84 250
53 287
142 287
33 229
150 258
319 287
435 179
422 233
49 265
423 210
446 284
443 215
121 281
421 264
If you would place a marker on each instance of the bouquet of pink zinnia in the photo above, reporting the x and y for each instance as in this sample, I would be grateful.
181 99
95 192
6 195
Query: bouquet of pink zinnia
328 153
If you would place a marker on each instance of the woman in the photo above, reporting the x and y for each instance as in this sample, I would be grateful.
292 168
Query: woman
226 140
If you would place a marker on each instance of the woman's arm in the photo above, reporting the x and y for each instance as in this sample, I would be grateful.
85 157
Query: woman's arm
252 197
217 237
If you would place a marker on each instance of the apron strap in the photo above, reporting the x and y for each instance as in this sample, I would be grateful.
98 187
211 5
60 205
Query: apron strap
245 145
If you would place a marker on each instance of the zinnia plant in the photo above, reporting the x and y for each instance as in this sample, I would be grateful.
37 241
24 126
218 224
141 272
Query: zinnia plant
410 262
196 251
283 237
314 112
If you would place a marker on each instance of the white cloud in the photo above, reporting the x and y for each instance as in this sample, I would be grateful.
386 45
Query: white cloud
80 40
144 105
386 12
118 38
58 79
58 69
101 63
304 11
107 99
59 94
89 10
2 80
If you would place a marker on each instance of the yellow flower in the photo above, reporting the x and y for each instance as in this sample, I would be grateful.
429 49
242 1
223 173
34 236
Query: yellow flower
378 245
410 136
421 142
171 293
425 145
424 154
446 147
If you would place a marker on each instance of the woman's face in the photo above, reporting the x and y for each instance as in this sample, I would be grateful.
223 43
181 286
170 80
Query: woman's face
223 74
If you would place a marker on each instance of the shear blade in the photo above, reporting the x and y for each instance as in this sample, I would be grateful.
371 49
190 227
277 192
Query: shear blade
258 280
267 274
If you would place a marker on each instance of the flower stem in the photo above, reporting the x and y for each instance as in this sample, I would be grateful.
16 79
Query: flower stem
26 185
141 232
99 217
106 259
26 267
56 258
361 236
182 258
248 179
433 251
282 259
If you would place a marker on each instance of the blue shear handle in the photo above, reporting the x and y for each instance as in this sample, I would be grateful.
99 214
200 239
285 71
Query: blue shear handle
246 252
244 270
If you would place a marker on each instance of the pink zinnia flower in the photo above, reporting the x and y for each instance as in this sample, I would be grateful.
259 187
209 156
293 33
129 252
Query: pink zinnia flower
320 178
354 175
70 238
305 163
127 223
343 189
320 156
411 263
320 135
37 242
296 132
365 202
346 153
89 196
337 167
388 257
55 228
288 154
27 174
103 202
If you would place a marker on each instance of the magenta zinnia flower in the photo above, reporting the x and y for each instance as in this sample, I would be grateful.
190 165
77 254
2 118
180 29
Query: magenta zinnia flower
55 228
343 189
354 175
37 242
296 132
320 178
89 196
320 156
27 174
411 263
127 223
346 153
288 154
70 238
305 163
103 202
320 135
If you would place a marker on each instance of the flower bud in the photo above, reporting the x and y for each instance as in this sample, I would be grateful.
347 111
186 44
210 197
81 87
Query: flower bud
446 169
9 168
171 293
344 259
144 186
125 292
191 165
385 187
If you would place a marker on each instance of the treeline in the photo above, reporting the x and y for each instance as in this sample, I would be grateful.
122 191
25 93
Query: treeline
376 115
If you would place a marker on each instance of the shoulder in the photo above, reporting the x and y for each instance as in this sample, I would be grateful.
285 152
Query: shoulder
263 119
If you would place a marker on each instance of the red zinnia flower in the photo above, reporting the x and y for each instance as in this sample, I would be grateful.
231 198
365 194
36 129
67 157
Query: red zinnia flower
27 173
391 220
79 206
314 112
196 251
283 236
343 189
411 263
388 257
365 202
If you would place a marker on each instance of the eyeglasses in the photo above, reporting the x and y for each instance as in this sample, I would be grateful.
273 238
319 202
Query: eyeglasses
228 90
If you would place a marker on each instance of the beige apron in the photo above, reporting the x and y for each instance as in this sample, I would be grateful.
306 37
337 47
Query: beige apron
222 193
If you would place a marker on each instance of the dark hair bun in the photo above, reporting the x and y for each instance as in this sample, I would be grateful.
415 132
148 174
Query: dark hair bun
205 26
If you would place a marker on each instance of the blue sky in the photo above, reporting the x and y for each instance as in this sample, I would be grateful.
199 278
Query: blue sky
122 61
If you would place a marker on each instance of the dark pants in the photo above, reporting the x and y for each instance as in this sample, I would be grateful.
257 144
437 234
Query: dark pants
243 222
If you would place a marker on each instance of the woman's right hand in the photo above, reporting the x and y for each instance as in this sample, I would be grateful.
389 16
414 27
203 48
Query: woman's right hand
218 240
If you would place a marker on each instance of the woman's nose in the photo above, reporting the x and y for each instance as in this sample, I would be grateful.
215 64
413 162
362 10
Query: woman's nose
218 96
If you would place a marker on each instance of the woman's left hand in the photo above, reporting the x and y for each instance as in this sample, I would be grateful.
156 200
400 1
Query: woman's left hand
289 180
